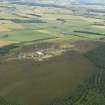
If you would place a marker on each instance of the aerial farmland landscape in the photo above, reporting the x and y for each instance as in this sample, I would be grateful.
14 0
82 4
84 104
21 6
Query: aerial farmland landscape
52 52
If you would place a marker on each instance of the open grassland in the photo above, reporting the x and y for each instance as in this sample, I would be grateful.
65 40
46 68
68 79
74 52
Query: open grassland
26 35
5 43
22 23
91 91
36 83
73 78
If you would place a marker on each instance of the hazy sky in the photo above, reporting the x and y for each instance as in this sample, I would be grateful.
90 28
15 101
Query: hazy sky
69 1
62 2
93 1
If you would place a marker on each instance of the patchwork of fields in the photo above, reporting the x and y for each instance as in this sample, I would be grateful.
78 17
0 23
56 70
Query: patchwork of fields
51 55
21 23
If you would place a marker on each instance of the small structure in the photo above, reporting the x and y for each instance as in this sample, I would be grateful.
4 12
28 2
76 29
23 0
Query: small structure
40 53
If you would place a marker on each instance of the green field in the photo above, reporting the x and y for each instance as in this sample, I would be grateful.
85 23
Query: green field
19 25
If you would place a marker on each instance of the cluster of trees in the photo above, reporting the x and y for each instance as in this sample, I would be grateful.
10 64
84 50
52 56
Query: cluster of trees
89 32
7 49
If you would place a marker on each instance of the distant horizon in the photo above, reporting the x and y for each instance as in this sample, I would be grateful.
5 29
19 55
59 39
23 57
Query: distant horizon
58 2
